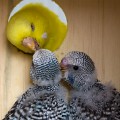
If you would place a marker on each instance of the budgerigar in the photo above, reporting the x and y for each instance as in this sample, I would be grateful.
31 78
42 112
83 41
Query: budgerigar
45 99
89 98
36 23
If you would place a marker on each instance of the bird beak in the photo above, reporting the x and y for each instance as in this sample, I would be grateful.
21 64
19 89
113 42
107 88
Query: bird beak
63 71
63 67
30 43
64 64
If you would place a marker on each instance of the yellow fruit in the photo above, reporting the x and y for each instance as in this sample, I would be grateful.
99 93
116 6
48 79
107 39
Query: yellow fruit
40 20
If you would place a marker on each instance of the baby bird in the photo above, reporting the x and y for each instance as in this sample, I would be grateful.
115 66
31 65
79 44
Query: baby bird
89 98
45 99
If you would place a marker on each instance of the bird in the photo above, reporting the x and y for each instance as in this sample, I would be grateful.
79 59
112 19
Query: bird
36 23
89 98
45 99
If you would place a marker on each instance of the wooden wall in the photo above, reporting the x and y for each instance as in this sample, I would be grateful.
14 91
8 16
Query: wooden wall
93 27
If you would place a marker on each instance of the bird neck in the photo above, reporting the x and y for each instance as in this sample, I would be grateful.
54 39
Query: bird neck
48 80
95 96
50 88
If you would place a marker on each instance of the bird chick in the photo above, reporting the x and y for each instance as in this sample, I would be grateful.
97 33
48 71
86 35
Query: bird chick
89 98
45 99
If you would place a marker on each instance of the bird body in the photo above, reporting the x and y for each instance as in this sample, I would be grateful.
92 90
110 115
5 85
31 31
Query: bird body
45 99
39 103
89 98
92 106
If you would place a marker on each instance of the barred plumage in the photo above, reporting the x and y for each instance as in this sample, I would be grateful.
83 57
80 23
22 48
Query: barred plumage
89 98
42 101
47 107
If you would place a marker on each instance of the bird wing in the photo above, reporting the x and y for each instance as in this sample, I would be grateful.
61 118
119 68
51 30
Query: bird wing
46 107
29 95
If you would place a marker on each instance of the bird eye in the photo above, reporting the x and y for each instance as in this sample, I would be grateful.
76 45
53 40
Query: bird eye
75 67
32 27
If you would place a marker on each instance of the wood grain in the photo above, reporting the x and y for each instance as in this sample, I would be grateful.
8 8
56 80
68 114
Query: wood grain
93 27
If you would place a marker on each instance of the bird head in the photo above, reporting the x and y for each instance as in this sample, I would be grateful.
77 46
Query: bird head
34 24
45 68
79 70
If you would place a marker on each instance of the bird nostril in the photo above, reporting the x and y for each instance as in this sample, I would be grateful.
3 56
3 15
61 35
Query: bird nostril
64 61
